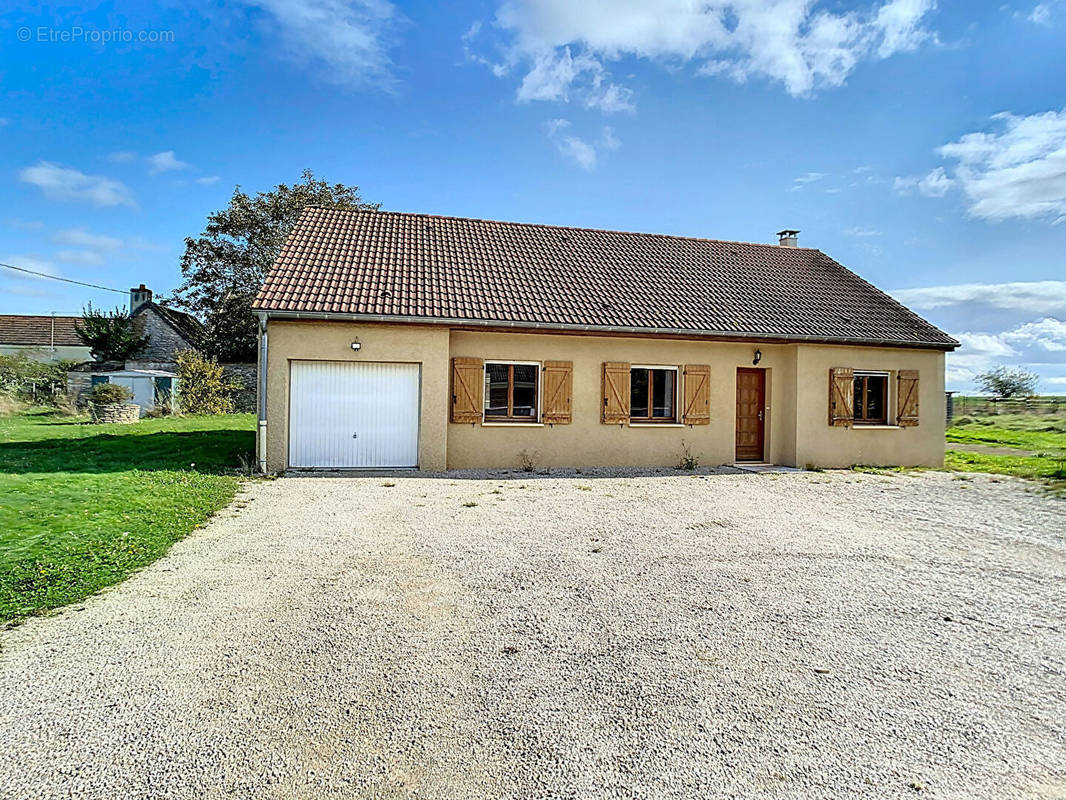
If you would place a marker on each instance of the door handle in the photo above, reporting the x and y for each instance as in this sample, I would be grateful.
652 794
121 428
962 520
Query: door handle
355 435
760 415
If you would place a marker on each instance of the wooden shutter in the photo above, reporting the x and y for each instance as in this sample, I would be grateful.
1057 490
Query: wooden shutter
558 387
467 388
907 398
841 396
615 392
697 394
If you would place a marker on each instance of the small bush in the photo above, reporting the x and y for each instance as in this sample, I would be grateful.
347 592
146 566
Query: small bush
963 421
529 460
109 393
34 382
687 461
202 388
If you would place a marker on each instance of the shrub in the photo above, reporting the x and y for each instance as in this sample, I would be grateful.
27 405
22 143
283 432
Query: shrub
105 394
33 381
687 461
202 388
112 336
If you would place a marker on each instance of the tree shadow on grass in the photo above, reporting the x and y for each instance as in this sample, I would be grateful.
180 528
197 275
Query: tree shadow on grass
210 451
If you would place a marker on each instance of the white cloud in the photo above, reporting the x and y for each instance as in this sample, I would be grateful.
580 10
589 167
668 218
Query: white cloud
562 47
91 257
1036 298
803 180
862 233
79 237
935 183
26 224
344 40
1041 14
1016 171
581 151
64 183
121 157
165 162
30 261
1017 324
207 180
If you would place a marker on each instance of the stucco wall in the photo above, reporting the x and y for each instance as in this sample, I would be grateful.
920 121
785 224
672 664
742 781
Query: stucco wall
44 353
797 379
331 341
587 442
819 444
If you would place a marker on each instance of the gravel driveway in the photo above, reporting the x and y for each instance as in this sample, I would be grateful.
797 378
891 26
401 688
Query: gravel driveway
780 636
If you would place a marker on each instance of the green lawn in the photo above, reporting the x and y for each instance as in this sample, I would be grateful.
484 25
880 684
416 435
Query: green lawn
82 506
1043 435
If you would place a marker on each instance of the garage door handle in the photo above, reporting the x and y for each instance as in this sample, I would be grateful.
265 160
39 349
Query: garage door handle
355 435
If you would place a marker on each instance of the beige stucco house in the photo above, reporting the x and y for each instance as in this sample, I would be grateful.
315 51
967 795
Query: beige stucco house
406 340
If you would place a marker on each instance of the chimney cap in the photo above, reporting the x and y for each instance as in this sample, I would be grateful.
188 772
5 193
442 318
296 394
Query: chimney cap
787 232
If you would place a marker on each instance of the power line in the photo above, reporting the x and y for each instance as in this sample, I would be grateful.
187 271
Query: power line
57 278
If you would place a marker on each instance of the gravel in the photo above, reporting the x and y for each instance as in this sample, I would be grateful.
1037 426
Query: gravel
591 635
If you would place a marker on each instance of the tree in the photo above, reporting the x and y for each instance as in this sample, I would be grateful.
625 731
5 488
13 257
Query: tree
1008 383
225 265
111 335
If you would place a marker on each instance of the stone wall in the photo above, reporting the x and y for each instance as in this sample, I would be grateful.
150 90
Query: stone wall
245 376
117 413
163 341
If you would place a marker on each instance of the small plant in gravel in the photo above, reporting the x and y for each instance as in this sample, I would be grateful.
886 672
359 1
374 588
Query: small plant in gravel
687 461
528 460
469 504
389 484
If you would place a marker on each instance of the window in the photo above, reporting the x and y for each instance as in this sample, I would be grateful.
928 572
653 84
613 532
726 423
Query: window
871 398
652 393
511 392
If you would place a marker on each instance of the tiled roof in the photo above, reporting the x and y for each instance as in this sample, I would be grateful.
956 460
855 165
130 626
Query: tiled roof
38 331
388 264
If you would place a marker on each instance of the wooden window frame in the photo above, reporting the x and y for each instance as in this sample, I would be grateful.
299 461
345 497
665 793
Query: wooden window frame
650 420
510 418
859 400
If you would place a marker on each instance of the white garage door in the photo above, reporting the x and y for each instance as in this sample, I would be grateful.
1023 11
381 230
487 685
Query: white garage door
348 415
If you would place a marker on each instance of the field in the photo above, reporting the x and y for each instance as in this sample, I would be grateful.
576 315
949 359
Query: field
82 506
1024 445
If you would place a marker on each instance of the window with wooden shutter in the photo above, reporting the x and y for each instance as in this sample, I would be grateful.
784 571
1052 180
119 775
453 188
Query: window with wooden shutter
841 396
697 394
466 389
907 398
615 392
558 378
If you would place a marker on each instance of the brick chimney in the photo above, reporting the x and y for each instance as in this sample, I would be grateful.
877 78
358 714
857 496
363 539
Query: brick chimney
787 238
141 296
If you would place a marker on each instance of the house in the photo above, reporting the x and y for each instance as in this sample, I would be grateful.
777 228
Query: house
151 375
48 338
408 340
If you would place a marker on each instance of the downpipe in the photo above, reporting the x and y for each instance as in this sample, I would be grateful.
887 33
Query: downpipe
261 397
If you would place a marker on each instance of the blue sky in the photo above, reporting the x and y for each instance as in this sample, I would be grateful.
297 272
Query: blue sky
922 144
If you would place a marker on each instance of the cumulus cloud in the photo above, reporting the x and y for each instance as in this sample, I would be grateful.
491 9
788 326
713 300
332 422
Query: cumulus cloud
562 48
79 237
581 151
345 41
207 180
1016 170
68 184
165 162
1019 323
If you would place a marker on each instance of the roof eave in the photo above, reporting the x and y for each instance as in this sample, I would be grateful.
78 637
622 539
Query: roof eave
266 313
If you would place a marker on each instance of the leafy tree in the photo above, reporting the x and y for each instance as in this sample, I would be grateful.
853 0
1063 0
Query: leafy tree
1007 383
225 265
202 387
111 335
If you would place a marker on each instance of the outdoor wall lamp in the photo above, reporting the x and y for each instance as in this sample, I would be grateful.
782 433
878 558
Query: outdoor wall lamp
756 360
356 346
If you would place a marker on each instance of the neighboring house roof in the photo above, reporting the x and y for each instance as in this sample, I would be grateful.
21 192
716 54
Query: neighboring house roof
188 326
39 331
418 267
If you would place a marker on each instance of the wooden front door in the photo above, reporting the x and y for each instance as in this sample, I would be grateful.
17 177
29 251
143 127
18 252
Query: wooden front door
751 405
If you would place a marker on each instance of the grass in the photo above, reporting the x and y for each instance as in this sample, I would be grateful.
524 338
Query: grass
82 506
1044 435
